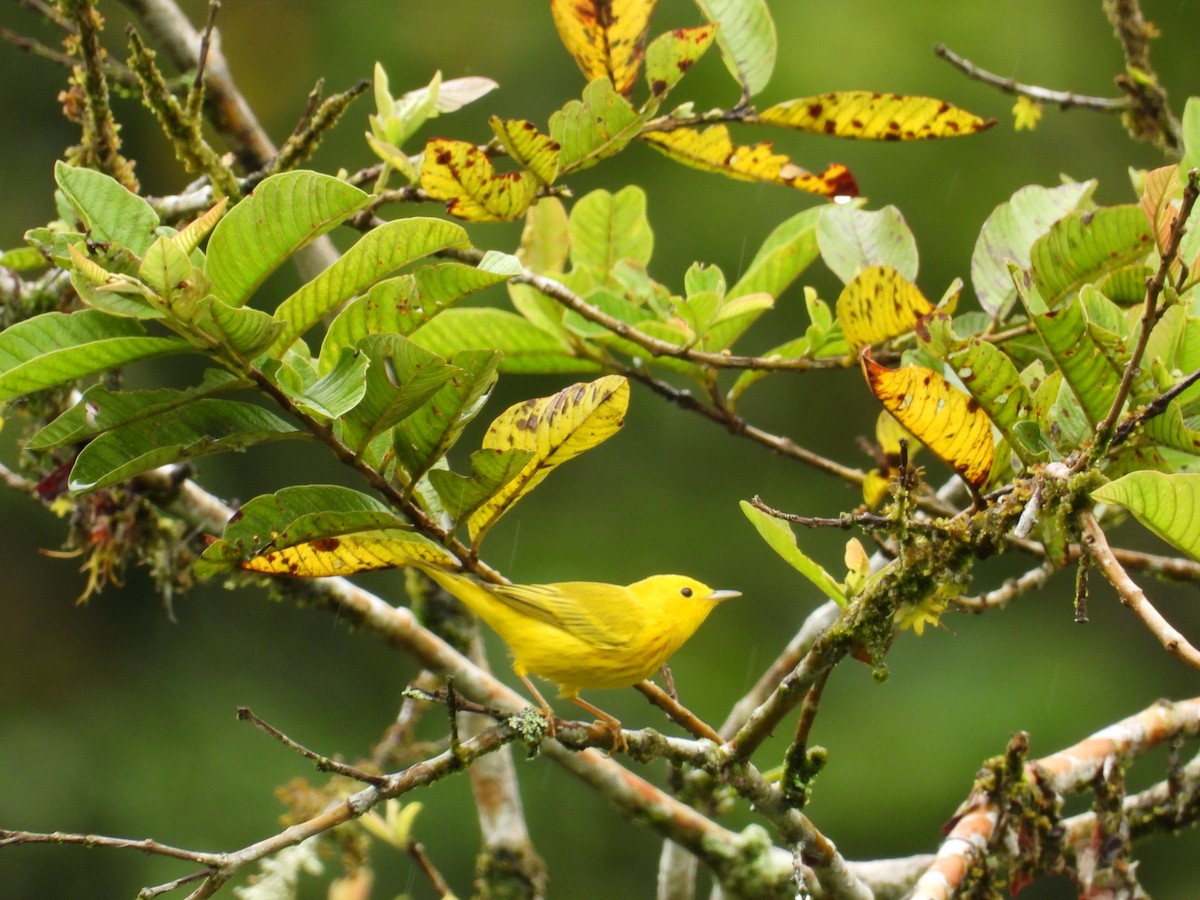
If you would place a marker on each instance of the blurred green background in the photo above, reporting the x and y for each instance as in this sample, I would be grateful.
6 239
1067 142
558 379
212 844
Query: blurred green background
115 719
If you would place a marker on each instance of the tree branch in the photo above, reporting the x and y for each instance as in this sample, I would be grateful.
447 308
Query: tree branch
1131 595
1064 99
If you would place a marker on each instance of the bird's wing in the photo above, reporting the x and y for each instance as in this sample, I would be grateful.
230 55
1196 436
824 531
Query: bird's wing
598 614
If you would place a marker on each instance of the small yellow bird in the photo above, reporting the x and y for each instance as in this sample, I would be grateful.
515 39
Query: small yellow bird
581 634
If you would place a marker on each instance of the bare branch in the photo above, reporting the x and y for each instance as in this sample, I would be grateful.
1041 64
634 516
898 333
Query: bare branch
975 823
1131 595
1064 99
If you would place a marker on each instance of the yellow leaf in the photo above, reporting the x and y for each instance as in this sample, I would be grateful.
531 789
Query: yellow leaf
879 303
671 55
1026 113
606 37
867 116
364 551
529 148
554 429
714 151
462 175
949 422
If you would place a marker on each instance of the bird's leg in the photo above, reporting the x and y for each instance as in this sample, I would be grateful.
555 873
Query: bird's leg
543 706
611 723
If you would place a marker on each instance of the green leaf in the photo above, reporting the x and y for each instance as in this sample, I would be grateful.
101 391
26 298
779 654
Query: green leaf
425 437
376 255
164 266
788 250
401 377
196 429
671 55
1009 233
1085 367
446 283
853 239
284 213
335 393
1169 505
392 306
780 537
55 348
100 410
607 228
527 349
746 36
1083 247
108 210
597 127
491 470
242 329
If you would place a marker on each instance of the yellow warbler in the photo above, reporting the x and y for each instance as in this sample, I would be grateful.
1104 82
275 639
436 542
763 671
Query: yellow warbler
581 634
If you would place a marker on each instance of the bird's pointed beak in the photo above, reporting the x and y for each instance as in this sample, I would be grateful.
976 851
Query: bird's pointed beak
718 596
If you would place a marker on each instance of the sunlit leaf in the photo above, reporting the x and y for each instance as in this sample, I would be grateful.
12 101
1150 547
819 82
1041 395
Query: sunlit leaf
594 128
401 377
947 421
316 530
56 348
864 115
1081 247
285 212
606 37
527 349
195 429
424 437
746 36
555 429
108 210
780 537
712 150
671 55
606 228
375 256
462 175
1010 231
528 148
1169 505
854 239
879 303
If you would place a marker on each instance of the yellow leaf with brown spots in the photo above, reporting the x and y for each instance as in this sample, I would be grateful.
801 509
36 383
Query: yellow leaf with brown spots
554 429
528 147
947 421
606 37
462 175
868 116
879 303
712 150
345 554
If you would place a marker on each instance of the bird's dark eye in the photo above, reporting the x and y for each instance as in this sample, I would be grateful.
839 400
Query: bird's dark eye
687 592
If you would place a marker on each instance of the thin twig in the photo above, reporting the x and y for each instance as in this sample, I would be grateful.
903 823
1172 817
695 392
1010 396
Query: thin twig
1149 117
1013 587
1131 595
1064 99
1155 407
324 763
